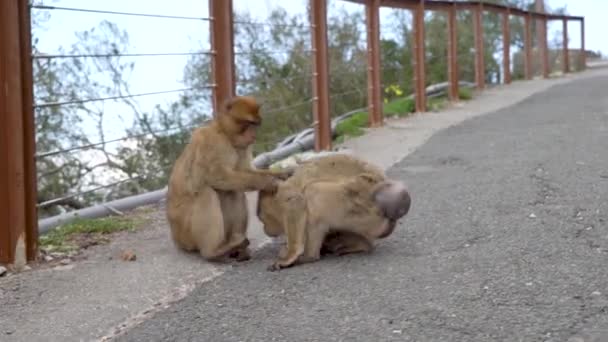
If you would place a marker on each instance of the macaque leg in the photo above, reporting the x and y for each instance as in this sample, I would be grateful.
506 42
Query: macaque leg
207 227
295 220
234 210
315 234
353 243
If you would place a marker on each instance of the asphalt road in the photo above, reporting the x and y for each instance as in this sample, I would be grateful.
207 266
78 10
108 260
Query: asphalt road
507 240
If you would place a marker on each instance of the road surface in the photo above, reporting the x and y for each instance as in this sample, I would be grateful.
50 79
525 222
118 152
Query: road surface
507 240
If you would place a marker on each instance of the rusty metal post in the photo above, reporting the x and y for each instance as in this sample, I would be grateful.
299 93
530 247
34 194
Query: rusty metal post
452 54
320 85
479 53
374 95
419 57
566 57
583 55
29 133
544 47
506 46
18 229
527 47
222 47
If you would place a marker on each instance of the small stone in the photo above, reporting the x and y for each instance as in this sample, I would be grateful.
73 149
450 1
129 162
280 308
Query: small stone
63 267
26 268
532 215
2 271
596 293
397 331
128 256
66 261
529 284
48 258
57 255
588 228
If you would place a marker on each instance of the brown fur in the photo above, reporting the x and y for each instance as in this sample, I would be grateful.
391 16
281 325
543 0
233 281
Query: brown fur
206 204
337 204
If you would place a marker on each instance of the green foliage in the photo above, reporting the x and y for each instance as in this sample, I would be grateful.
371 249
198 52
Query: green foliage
63 238
465 93
400 107
353 126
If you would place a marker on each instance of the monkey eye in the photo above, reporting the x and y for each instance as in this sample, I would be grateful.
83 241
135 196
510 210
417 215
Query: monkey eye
247 123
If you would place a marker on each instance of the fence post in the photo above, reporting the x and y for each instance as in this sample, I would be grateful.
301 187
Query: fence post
320 85
479 53
374 97
506 46
222 48
452 54
544 46
583 55
527 47
419 57
566 57
18 224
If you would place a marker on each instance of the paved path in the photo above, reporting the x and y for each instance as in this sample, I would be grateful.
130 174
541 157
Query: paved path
507 240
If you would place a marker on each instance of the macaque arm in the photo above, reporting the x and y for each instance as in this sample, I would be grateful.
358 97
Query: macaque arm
223 178
212 167
281 173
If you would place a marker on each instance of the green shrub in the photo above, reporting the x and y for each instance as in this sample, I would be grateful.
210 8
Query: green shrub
465 93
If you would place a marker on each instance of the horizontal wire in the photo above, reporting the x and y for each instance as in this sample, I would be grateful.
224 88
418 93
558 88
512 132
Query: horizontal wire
274 79
63 103
134 136
250 52
345 93
44 7
242 22
299 104
61 199
106 186
50 56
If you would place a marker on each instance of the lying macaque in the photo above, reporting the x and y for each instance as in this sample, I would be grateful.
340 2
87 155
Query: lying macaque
333 204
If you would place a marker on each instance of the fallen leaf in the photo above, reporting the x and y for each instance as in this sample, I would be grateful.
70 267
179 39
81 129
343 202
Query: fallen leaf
129 256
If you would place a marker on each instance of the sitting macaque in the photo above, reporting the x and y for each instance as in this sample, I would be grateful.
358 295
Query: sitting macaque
206 203
333 204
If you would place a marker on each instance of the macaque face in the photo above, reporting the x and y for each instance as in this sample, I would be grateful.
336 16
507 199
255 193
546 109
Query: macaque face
247 134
